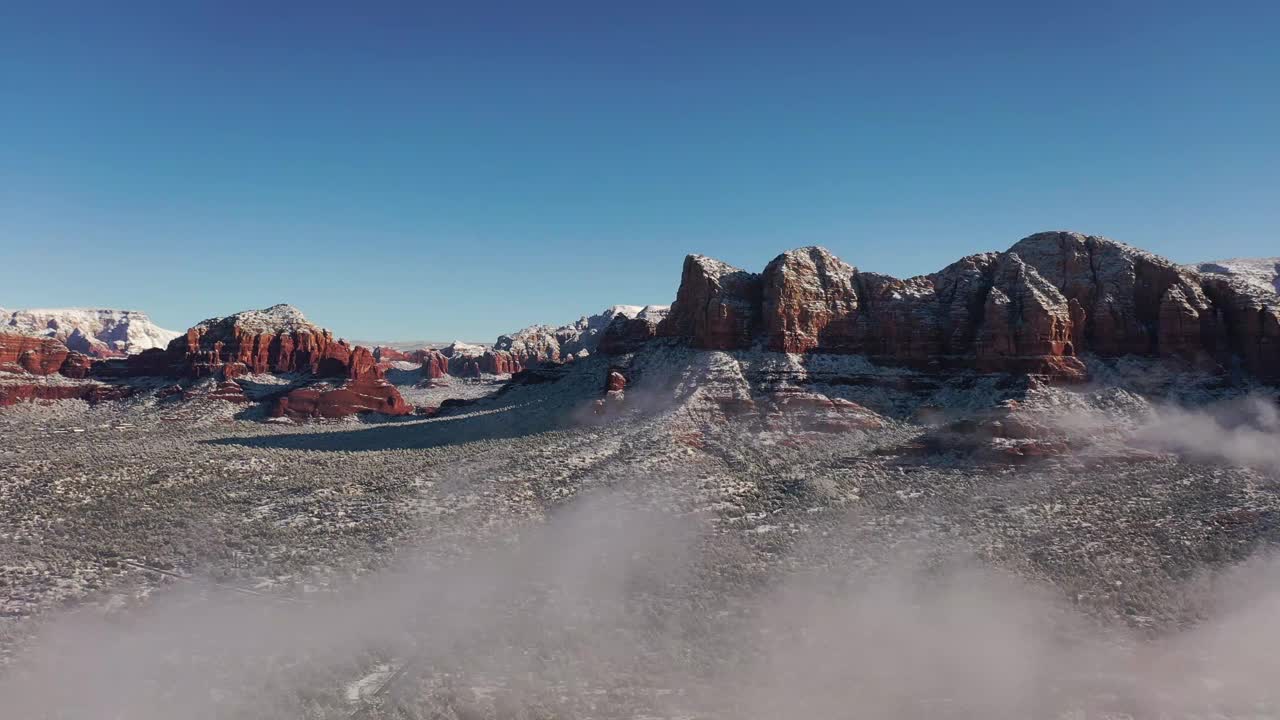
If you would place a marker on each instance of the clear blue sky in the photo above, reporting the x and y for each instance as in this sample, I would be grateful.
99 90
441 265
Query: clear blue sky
421 170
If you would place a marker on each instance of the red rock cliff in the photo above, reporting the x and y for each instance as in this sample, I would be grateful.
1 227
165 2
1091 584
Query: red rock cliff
1033 308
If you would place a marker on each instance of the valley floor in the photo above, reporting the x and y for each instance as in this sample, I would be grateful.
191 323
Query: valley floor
969 548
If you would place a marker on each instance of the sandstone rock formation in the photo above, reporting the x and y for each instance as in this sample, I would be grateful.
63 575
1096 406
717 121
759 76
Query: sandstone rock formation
1026 324
33 354
434 364
365 391
1032 309
383 354
13 392
626 333
34 367
1119 288
717 307
543 343
1248 325
466 360
76 365
809 301
276 340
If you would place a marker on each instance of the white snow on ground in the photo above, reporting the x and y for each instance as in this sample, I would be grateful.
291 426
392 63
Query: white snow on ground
127 331
366 686
1262 272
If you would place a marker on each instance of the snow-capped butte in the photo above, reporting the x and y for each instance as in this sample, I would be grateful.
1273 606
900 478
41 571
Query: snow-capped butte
1263 272
93 331
275 319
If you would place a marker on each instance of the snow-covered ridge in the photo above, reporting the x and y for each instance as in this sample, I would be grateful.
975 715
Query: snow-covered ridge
574 338
277 318
1262 272
93 331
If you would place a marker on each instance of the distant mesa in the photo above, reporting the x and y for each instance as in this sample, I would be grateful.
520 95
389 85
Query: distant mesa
95 332
280 341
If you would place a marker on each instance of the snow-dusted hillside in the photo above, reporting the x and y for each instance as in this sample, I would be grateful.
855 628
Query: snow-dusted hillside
92 331
1263 272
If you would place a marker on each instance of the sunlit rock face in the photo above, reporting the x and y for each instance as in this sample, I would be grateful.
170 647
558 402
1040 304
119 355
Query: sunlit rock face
1035 308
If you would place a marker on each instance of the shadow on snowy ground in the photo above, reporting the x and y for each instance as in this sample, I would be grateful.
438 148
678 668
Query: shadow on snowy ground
489 423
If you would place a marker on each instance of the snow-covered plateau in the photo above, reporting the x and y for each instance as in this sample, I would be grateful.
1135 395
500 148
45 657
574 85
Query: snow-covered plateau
92 331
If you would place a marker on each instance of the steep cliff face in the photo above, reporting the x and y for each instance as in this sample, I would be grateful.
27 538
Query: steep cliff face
627 333
1034 308
1121 290
38 368
809 301
1026 324
1248 325
718 306
32 354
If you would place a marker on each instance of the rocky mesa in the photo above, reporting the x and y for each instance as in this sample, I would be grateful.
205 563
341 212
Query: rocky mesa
1036 308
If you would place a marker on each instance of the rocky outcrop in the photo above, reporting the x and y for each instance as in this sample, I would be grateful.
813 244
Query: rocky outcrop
365 391
1026 324
384 354
717 307
468 361
1032 309
434 364
276 340
989 311
628 333
615 393
76 366
280 341
543 343
1248 325
37 368
351 398
354 397
809 301
32 354
13 393
1121 290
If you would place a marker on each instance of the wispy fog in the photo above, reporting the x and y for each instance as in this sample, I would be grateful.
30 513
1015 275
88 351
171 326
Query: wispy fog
607 610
